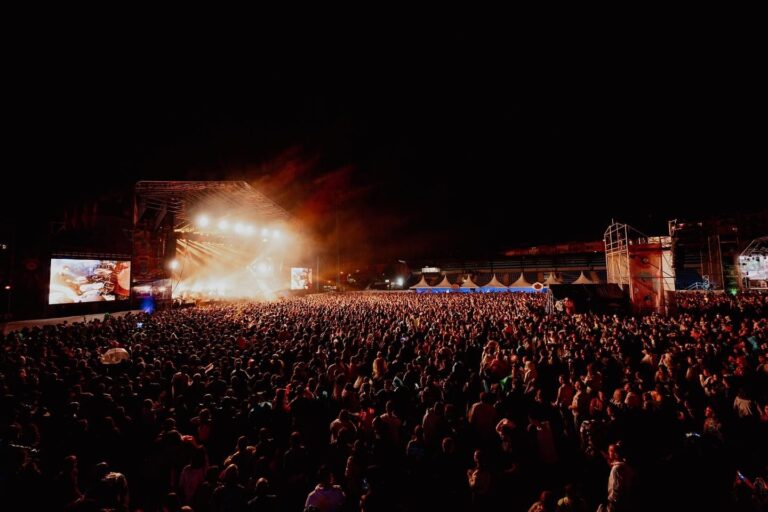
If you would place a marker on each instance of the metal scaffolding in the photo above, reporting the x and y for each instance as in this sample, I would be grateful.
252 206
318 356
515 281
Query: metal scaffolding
176 197
616 240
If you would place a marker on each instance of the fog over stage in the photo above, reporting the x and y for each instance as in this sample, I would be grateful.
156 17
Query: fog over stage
212 239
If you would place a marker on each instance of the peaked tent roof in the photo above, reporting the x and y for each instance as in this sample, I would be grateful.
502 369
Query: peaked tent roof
445 283
421 284
494 283
552 279
582 279
468 283
521 282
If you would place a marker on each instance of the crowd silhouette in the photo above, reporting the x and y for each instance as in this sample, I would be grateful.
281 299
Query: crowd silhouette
391 401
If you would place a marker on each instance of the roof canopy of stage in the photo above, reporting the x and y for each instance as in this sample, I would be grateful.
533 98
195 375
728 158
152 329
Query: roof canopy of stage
186 199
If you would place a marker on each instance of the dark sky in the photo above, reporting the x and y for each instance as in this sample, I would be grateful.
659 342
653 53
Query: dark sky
458 140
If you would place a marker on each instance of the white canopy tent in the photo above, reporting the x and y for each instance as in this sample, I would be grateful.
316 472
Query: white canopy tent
443 286
521 282
582 279
468 283
494 285
421 285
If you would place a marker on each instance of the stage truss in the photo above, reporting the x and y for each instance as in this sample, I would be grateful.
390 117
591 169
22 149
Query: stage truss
165 219
164 197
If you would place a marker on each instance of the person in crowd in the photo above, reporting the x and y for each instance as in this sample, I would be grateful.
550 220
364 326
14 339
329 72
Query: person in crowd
621 481
326 497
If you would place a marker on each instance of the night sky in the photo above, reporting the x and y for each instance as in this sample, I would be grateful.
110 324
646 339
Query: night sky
431 142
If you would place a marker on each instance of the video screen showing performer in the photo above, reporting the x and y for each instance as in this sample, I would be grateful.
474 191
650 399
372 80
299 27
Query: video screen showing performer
75 281
301 278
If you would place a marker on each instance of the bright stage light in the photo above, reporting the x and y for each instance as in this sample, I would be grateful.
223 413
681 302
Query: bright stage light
399 281
174 264
203 221
235 264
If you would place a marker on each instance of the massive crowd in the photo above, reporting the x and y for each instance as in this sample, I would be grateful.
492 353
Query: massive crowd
392 402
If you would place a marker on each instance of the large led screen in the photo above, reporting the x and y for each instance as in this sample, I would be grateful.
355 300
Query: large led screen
301 278
88 281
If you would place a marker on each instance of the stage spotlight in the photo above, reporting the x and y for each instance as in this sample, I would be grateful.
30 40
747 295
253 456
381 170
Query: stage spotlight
264 232
249 230
239 229
223 225
174 264
399 281
276 233
203 221
263 268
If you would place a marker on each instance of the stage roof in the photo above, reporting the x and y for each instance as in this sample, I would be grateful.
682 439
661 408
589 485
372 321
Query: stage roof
181 197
